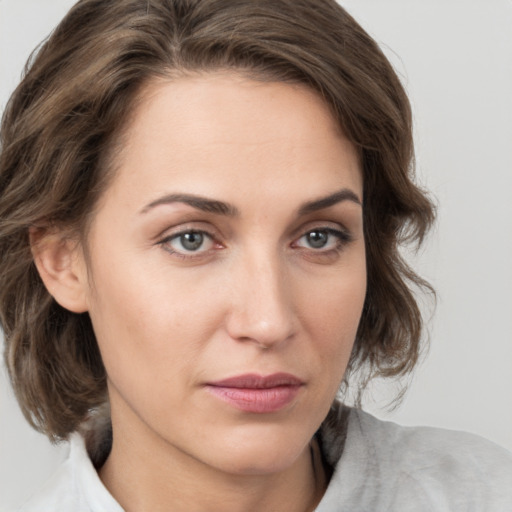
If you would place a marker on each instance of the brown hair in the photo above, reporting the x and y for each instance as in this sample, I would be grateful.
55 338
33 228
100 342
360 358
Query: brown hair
64 117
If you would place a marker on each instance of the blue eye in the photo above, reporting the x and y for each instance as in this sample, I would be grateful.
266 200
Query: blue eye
322 239
317 239
189 241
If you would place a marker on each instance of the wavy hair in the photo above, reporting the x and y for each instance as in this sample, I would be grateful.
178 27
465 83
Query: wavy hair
60 128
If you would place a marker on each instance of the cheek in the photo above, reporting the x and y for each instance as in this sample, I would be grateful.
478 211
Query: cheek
330 312
148 322
335 308
333 315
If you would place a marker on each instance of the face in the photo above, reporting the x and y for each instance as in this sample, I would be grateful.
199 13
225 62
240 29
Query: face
227 270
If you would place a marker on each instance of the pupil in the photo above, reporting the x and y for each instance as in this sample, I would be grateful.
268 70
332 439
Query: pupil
192 241
317 239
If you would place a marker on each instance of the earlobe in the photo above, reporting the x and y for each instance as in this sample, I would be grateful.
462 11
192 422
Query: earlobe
61 266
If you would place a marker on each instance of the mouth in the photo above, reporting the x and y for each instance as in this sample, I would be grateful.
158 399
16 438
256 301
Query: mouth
257 394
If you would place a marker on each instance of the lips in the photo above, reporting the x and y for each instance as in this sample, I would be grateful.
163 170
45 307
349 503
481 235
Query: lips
257 394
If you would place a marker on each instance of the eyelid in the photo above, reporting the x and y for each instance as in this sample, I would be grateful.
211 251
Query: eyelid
325 225
343 237
185 225
168 235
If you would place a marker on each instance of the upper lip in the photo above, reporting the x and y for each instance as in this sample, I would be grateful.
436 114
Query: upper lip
255 381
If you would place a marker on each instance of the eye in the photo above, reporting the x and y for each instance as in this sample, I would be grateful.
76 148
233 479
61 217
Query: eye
323 239
188 242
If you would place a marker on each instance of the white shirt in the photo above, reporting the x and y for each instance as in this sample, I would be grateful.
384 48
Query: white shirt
383 468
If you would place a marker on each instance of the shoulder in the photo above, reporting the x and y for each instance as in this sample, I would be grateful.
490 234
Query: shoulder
420 446
391 466
74 486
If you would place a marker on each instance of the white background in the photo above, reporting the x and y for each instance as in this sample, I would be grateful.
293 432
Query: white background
455 58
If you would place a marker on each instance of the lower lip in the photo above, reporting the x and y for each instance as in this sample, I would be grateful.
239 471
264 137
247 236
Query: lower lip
255 399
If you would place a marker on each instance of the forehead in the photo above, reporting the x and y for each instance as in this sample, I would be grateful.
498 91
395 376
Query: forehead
213 134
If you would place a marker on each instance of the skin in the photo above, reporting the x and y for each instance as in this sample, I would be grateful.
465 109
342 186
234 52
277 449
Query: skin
255 297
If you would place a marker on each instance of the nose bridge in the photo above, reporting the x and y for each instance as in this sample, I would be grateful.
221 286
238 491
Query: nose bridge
262 309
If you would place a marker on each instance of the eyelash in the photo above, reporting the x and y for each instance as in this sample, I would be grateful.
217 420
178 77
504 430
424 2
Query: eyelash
188 255
342 239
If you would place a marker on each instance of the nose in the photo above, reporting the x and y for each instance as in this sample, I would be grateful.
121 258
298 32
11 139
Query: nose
261 305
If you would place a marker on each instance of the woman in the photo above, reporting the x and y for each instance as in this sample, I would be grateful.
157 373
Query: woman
201 207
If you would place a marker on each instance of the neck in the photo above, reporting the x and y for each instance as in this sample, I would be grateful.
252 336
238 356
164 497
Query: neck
155 480
155 475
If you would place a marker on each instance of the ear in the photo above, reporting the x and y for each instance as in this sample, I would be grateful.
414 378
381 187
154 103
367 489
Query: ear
60 262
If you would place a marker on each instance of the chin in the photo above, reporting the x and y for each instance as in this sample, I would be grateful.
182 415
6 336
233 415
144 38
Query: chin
259 451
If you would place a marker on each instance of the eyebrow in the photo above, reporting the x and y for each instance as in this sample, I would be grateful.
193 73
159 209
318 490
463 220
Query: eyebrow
344 194
200 203
221 208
